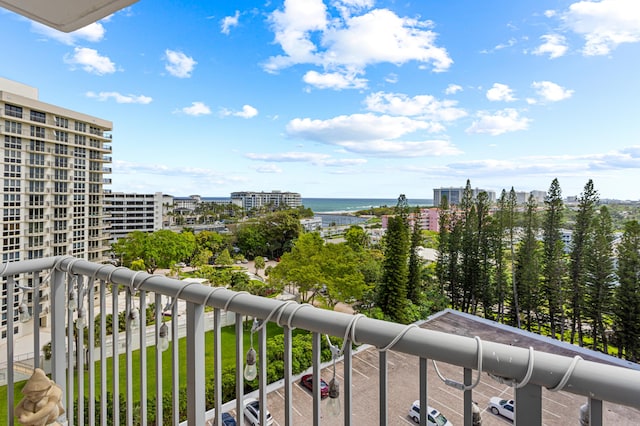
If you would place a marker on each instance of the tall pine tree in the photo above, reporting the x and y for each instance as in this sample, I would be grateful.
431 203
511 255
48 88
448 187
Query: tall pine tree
527 271
627 307
586 208
414 281
392 294
599 277
554 265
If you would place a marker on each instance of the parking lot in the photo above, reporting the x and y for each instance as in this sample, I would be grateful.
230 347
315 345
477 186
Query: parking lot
559 408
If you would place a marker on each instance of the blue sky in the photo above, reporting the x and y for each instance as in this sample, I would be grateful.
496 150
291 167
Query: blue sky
351 98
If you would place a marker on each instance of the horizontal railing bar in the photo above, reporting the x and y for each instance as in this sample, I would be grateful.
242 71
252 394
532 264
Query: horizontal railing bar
596 380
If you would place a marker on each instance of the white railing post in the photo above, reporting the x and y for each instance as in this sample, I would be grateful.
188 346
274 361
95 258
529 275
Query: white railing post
195 365
58 296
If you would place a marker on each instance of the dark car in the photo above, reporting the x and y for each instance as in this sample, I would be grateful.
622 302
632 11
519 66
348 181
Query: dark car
307 382
228 420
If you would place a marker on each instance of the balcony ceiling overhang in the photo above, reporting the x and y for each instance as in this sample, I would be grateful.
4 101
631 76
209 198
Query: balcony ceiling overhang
65 15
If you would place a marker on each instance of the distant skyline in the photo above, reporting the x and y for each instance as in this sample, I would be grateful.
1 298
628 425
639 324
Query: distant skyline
351 98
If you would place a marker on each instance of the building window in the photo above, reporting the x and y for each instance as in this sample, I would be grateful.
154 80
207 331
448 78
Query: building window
36 145
61 149
13 110
12 142
80 139
13 127
36 186
61 122
37 132
36 173
36 159
61 136
38 116
11 170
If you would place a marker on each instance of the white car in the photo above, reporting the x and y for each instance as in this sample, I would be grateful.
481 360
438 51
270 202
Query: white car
252 412
434 417
503 407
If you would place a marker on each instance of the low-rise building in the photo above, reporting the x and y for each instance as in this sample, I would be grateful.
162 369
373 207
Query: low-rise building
128 212
254 200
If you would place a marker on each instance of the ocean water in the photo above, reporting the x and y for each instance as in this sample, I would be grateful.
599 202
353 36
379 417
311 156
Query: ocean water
332 205
329 205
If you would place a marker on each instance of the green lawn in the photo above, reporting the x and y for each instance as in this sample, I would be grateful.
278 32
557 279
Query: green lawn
228 341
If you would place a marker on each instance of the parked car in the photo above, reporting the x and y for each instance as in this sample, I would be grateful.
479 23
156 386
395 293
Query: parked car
228 420
252 412
503 407
434 417
181 265
307 382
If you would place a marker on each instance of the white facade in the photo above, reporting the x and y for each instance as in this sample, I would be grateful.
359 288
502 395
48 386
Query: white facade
135 212
254 200
53 161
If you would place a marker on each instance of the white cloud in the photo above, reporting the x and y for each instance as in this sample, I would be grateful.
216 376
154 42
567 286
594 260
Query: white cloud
228 22
93 32
247 112
90 61
500 92
507 120
452 89
119 98
316 159
268 168
391 78
290 157
178 64
554 44
348 44
334 80
551 92
550 13
371 134
510 43
423 106
348 7
196 109
604 24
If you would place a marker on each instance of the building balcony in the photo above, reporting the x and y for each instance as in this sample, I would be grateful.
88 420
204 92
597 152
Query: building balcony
382 367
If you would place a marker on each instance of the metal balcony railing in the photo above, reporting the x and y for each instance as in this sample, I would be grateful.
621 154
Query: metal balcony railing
103 286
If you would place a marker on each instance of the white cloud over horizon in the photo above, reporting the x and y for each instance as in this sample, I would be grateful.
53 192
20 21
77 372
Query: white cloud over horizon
421 106
500 92
604 24
498 123
119 98
551 92
370 134
90 61
229 22
196 109
179 64
247 112
555 45
349 43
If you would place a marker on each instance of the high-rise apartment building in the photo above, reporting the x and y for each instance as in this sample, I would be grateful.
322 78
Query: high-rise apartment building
454 195
251 200
53 161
